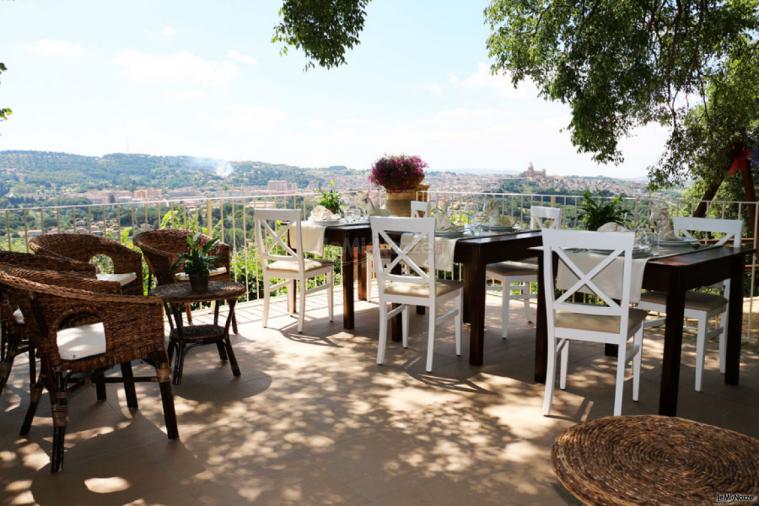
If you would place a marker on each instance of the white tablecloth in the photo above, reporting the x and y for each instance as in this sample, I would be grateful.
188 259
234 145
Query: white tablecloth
313 237
609 280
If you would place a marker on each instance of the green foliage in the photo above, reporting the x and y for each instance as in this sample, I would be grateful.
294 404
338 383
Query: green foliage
179 217
197 259
323 29
595 214
620 64
4 111
329 198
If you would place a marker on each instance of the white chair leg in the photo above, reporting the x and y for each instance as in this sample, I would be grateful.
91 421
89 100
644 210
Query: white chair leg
723 341
550 376
431 336
267 301
703 327
369 274
331 295
637 344
404 325
505 307
458 322
564 365
620 383
526 292
302 307
382 333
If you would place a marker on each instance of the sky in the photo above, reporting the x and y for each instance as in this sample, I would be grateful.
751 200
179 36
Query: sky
201 78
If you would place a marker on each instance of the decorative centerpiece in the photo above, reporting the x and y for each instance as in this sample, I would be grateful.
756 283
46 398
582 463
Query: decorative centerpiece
329 198
595 214
401 177
197 261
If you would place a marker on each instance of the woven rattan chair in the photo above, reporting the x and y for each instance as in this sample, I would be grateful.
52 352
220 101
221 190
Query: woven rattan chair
129 328
13 338
127 264
161 249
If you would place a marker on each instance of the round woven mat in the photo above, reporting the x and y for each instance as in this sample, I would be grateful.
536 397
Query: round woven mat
654 460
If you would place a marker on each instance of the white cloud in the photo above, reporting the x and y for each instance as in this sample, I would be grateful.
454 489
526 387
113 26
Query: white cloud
168 31
184 95
183 67
49 47
239 57
484 79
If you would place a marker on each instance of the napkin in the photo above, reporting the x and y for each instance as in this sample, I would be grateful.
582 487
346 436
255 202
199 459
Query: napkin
321 213
365 202
662 223
442 221
612 227
492 212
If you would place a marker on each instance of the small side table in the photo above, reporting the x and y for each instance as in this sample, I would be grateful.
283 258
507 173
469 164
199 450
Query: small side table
182 337
655 460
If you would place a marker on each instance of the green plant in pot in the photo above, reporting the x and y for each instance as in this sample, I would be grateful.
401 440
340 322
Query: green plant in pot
197 261
329 198
595 214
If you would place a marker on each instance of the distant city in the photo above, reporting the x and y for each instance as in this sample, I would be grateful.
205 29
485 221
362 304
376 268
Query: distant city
35 178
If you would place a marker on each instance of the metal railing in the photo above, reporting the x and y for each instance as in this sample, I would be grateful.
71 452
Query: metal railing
231 219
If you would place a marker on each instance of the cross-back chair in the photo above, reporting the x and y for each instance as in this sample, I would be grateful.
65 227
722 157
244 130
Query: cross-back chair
612 322
276 232
700 305
417 286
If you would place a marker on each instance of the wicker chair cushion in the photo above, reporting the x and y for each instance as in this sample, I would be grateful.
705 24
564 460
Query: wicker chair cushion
416 290
693 300
598 323
80 342
122 279
181 276
18 316
292 266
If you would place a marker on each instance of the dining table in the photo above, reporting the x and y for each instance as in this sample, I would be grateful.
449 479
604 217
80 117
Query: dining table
673 274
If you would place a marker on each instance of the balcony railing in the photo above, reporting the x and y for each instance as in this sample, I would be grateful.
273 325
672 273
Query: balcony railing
231 218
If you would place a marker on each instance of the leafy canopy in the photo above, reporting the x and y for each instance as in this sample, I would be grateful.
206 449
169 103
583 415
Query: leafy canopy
624 63
4 111
323 29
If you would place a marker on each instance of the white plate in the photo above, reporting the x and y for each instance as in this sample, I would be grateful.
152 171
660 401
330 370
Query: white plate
327 223
455 232
677 242
499 228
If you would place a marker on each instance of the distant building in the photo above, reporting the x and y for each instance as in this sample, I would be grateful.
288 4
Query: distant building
532 173
278 185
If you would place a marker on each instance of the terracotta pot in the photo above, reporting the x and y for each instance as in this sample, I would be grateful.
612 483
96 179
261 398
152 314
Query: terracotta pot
399 201
199 283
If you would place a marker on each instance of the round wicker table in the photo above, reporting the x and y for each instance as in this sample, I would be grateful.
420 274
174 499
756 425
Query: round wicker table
656 460
182 337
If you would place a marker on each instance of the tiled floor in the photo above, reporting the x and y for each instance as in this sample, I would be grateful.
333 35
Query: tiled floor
312 420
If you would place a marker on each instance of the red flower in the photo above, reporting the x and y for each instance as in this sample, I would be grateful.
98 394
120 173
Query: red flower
398 172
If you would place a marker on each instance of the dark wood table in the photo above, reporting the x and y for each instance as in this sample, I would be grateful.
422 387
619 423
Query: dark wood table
353 238
675 275
474 254
182 337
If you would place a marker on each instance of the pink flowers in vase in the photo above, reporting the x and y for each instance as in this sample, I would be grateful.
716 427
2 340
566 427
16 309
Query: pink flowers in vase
398 172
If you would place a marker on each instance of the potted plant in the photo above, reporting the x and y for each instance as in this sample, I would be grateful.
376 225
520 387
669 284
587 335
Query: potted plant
401 176
329 198
197 261
594 215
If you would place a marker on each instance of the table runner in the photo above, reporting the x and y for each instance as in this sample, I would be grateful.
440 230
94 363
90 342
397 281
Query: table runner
444 249
313 237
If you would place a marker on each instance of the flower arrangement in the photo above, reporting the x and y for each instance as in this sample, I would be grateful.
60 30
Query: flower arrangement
398 172
329 198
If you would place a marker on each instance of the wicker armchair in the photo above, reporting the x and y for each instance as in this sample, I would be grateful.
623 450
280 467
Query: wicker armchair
13 337
161 249
129 328
127 264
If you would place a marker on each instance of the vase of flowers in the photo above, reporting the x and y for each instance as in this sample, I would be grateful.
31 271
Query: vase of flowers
329 198
197 261
401 176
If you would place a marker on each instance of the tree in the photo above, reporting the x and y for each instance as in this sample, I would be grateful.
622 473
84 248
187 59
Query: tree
323 29
4 111
620 64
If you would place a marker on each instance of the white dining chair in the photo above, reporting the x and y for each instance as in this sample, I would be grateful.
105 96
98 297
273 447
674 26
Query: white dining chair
611 323
521 275
699 305
417 286
279 260
419 209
